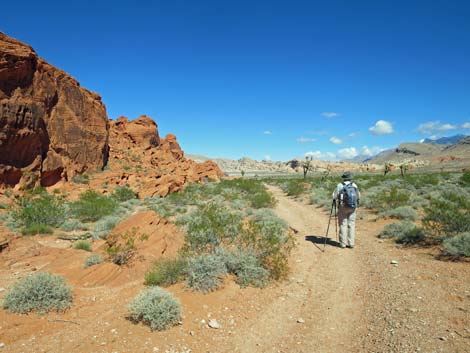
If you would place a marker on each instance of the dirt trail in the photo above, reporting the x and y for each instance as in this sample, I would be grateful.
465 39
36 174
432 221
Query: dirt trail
356 300
325 292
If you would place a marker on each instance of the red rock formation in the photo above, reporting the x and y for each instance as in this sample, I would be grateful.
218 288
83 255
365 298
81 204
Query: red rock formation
50 127
155 166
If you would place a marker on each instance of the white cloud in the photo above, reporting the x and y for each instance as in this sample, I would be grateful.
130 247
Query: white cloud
347 153
372 151
268 132
320 155
305 139
352 134
267 157
381 127
335 140
330 114
433 126
466 125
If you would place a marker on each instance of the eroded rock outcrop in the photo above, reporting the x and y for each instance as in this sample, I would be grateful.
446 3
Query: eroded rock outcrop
50 127
152 165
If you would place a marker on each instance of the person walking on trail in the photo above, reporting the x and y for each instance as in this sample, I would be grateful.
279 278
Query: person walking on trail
347 196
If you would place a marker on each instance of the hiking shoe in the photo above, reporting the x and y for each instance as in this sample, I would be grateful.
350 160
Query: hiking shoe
351 246
342 246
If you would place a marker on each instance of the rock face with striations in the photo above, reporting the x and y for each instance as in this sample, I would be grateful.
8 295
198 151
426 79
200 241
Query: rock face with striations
50 127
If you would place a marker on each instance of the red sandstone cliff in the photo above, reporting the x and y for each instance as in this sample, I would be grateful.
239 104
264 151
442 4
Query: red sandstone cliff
50 127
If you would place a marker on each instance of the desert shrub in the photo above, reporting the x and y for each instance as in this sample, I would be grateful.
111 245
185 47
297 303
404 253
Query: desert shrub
43 209
156 308
106 224
248 269
402 212
421 180
458 246
388 199
93 259
266 236
262 200
205 272
321 199
123 193
3 206
413 236
396 229
92 206
464 180
82 245
34 229
81 179
42 292
295 187
448 215
210 226
165 272
73 224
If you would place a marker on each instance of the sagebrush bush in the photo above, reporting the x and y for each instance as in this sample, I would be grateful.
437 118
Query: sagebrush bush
402 212
457 246
42 292
92 206
73 224
294 187
166 272
81 179
42 209
93 259
156 308
448 215
123 193
82 245
248 269
209 227
415 235
396 229
388 198
105 225
206 272
266 236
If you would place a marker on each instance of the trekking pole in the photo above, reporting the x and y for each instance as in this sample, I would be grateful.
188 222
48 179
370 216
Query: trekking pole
328 228
336 223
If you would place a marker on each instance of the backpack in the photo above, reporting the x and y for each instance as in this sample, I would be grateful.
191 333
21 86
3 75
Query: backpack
348 195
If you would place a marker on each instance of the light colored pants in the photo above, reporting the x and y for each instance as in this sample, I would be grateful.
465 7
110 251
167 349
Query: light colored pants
347 225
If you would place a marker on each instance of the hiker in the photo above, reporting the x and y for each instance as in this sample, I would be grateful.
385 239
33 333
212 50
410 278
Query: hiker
347 196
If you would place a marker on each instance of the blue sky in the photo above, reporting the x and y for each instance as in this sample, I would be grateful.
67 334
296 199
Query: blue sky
265 79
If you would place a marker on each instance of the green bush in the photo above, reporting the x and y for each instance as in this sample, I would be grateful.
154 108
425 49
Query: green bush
43 209
93 259
385 200
402 212
72 225
458 246
465 179
82 245
262 200
266 236
156 308
448 215
396 229
34 229
248 269
123 193
166 272
205 272
93 206
42 292
209 227
295 187
415 235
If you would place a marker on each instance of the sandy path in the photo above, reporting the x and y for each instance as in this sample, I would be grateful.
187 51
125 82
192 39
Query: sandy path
325 292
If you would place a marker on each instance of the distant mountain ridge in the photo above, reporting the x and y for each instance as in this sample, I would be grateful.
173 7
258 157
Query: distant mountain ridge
447 140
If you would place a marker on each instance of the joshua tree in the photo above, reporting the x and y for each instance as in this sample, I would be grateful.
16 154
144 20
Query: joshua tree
388 168
242 173
403 169
307 166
